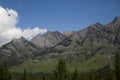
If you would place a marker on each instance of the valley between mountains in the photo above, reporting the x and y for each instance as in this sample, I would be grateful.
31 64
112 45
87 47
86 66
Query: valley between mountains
91 48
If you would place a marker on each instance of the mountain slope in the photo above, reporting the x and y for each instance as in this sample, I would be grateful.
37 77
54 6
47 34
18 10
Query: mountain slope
17 51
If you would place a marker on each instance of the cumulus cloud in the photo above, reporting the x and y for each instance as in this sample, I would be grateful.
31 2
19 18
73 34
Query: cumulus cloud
9 30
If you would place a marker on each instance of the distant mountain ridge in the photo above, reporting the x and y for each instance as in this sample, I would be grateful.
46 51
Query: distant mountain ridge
92 45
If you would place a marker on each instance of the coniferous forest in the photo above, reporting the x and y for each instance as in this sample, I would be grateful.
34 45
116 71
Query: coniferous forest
61 73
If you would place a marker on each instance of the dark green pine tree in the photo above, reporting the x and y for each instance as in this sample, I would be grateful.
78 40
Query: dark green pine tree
60 73
25 75
117 66
75 75
44 77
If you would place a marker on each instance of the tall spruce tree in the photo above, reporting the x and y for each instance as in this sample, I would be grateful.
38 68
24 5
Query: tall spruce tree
117 65
60 73
75 75
25 75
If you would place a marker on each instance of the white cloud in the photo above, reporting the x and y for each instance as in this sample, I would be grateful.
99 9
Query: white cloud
9 30
29 33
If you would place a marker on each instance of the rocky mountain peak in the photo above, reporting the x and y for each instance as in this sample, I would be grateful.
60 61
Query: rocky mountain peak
50 33
48 39
96 25
116 20
22 39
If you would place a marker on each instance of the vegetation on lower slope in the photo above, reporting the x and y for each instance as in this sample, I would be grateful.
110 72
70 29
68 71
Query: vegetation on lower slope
94 63
84 59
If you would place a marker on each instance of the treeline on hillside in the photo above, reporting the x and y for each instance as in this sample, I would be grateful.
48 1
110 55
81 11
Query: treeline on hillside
61 73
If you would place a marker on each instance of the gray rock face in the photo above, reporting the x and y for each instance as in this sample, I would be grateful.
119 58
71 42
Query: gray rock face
67 33
47 40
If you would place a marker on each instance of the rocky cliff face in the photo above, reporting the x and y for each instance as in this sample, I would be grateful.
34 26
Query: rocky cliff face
47 40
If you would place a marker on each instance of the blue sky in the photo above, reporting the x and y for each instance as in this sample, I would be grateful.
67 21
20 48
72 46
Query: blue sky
63 15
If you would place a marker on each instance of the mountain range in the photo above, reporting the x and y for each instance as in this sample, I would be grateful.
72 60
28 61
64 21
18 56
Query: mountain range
91 48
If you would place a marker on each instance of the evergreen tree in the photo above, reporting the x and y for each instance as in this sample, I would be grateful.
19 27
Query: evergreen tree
117 66
61 72
43 77
25 75
75 75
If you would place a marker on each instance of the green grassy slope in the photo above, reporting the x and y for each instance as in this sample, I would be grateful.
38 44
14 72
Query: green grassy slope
96 62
